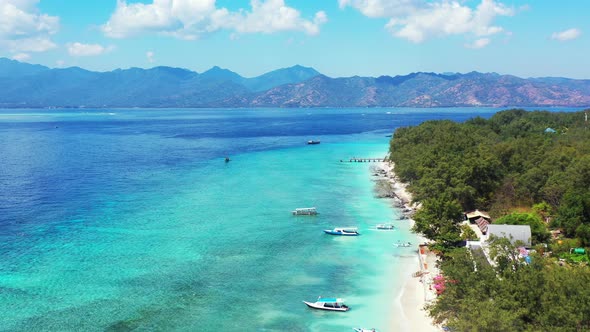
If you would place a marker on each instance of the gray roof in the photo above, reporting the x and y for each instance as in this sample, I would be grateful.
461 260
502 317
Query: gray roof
513 232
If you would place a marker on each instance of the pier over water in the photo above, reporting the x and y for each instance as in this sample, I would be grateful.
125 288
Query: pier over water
365 160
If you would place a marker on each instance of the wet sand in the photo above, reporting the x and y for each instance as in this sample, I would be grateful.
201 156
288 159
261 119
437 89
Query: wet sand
409 313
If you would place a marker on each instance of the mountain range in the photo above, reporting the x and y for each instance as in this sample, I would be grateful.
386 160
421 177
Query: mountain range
36 86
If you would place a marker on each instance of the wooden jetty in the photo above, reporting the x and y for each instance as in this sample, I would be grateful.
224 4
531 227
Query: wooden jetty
365 160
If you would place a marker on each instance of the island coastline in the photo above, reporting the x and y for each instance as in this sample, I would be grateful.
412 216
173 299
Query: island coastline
416 291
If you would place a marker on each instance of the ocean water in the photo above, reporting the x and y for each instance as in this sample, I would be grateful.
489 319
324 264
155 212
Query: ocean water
119 220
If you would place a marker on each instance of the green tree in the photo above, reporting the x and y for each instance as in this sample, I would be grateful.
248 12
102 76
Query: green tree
544 210
574 211
438 220
583 233
468 234
500 164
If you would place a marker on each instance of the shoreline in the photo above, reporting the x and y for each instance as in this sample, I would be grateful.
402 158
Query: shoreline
416 292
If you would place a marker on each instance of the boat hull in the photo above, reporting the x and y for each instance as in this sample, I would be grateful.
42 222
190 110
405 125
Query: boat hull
319 307
305 212
331 232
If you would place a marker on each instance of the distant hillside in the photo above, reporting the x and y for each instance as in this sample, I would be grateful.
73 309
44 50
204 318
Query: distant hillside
26 85
12 68
429 90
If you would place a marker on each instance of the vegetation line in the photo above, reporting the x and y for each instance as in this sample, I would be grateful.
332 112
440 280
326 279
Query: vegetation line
525 168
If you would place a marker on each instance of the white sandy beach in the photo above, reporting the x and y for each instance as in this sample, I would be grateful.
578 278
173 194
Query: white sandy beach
409 313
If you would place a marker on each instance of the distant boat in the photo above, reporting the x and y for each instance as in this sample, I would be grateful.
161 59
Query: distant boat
313 142
346 231
330 304
360 329
311 211
404 244
227 160
387 227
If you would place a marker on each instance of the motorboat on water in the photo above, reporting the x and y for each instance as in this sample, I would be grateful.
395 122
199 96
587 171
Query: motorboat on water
403 244
346 231
312 142
311 211
330 304
386 227
360 329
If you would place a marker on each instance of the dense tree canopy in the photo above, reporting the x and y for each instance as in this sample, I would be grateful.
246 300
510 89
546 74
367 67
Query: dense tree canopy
524 174
513 296
508 161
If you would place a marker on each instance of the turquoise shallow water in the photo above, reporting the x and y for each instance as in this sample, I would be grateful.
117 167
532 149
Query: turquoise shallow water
130 219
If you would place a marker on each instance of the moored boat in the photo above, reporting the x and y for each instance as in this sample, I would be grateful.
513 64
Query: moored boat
385 227
346 231
312 142
360 329
404 244
305 211
330 304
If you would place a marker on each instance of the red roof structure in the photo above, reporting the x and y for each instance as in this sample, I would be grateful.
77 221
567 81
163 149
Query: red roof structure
482 223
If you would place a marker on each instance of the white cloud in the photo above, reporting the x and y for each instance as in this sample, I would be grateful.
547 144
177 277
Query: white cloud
479 43
21 57
272 15
79 49
132 19
383 8
320 18
566 35
34 44
150 56
524 8
419 20
190 19
24 29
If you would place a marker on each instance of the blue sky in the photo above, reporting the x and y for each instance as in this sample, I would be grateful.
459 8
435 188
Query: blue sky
337 37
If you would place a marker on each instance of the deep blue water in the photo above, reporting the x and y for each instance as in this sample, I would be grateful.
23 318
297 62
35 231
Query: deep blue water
49 157
130 219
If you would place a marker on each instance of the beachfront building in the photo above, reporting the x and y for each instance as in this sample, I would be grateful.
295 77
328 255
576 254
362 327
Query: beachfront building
516 233
480 218
473 215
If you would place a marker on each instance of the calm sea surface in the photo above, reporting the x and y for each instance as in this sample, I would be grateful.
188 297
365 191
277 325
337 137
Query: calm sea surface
130 219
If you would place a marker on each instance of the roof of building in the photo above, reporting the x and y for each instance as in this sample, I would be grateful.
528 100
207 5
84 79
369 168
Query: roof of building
513 232
477 214
483 224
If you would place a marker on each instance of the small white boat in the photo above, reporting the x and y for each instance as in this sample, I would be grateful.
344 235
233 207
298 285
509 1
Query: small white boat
312 142
360 329
403 244
311 211
387 227
346 231
330 304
